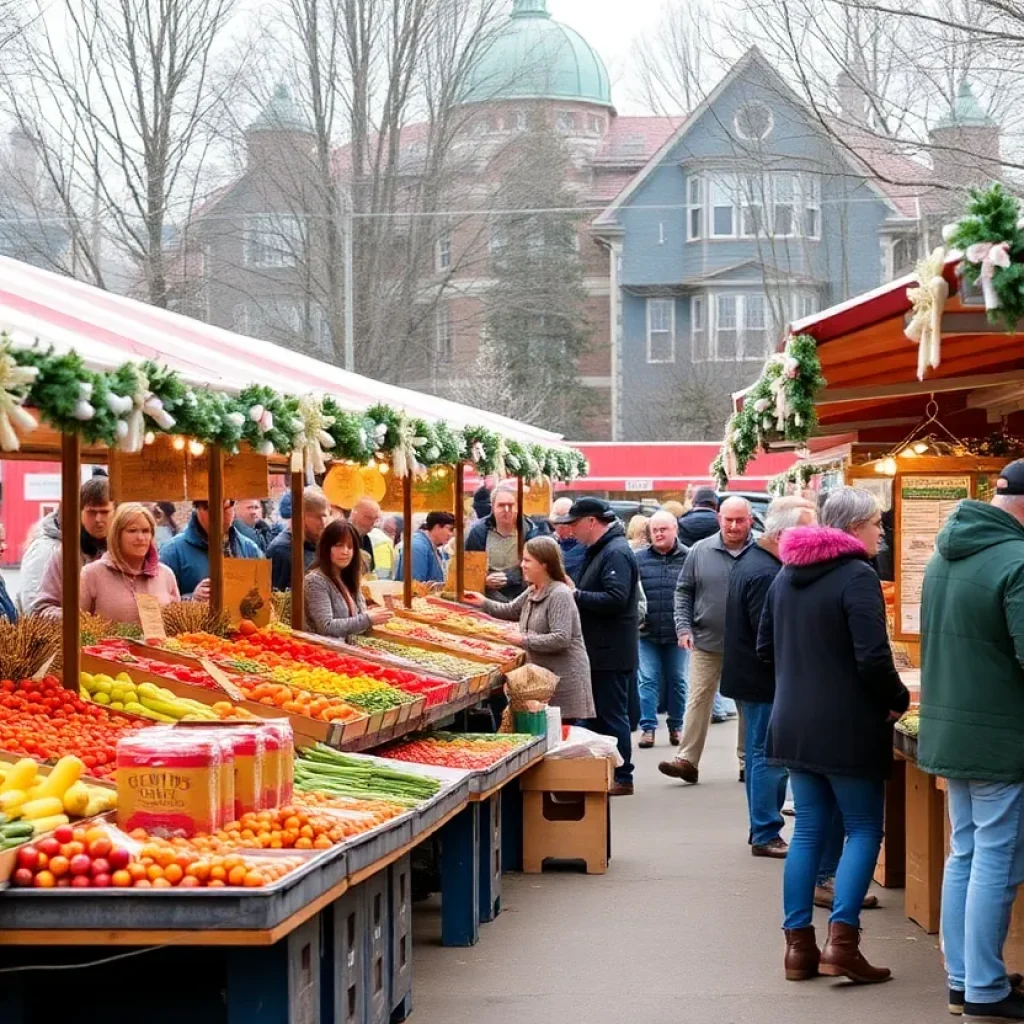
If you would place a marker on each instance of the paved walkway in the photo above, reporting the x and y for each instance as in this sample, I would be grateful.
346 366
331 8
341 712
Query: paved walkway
683 929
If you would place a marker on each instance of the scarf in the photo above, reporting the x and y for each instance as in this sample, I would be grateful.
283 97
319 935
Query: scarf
91 547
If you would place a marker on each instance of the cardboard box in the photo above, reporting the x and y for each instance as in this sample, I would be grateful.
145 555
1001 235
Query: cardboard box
569 775
925 848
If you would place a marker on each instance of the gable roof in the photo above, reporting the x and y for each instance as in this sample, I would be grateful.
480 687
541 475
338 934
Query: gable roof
763 271
753 57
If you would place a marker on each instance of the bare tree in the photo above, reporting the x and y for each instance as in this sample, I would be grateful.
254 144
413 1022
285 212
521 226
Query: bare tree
119 98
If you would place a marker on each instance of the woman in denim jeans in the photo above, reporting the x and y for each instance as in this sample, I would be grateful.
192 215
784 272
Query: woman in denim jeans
837 693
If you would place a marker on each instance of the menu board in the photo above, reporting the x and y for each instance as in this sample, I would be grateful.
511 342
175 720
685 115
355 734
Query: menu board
157 473
245 476
925 504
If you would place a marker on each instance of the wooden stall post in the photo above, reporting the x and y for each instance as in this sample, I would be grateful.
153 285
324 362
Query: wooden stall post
925 812
520 500
215 540
407 541
70 529
460 532
298 483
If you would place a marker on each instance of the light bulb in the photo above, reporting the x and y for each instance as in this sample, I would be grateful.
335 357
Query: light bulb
889 466
920 447
178 444
196 448
370 464
149 438
908 453
879 469
442 472
384 468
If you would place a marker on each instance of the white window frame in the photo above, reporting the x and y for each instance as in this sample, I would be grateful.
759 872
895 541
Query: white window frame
796 212
443 253
444 332
749 201
266 238
696 196
595 124
810 199
700 337
741 300
566 122
804 304
728 184
670 304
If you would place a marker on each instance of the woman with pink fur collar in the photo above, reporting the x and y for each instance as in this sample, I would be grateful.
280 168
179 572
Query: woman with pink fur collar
837 693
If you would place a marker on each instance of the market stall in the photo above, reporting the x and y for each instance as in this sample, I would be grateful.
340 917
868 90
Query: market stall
198 722
915 391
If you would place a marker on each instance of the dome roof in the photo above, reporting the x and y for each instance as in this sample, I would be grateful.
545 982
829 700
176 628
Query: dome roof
280 114
535 57
967 112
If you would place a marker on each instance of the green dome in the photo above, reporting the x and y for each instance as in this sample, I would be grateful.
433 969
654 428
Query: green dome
535 57
967 112
280 114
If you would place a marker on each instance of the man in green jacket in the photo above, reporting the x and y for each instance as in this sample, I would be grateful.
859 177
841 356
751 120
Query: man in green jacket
972 734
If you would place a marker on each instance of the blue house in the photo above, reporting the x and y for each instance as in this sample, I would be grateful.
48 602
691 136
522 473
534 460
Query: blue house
752 215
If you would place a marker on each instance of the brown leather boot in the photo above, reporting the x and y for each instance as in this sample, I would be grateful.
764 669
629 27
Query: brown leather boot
802 954
842 958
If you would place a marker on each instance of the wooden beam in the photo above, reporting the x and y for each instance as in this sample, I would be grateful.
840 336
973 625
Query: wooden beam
909 389
460 532
71 561
522 518
407 532
215 540
989 398
298 484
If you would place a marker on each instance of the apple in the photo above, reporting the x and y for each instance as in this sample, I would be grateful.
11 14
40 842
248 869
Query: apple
64 834
119 858
28 857
64 883
49 846
100 866
23 877
100 847
80 864
101 881
81 882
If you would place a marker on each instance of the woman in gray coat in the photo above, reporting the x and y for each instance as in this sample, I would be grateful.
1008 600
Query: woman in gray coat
334 603
549 626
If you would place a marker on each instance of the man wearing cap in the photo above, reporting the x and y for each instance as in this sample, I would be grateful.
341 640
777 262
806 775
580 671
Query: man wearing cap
606 595
972 710
427 542
702 520
572 550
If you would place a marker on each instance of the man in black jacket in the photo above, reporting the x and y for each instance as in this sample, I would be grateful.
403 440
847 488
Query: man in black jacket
606 595
662 661
702 520
750 681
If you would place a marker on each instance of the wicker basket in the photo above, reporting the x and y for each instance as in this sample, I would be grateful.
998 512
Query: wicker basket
530 682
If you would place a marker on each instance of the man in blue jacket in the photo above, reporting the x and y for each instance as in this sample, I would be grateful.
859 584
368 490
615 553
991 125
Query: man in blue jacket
662 661
188 554
498 535
427 564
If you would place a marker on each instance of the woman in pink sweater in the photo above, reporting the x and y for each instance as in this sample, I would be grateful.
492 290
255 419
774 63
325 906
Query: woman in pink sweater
129 567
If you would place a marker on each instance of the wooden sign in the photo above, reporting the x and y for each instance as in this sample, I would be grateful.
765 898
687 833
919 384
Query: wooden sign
537 498
475 578
246 475
151 617
220 677
157 473
247 590
434 492
344 484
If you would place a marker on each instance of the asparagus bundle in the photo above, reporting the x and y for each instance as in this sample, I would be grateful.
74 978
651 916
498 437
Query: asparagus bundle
323 770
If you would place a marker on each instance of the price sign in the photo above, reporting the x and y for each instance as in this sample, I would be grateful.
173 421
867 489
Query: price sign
537 498
434 492
151 617
157 473
245 476
247 590
475 575
220 677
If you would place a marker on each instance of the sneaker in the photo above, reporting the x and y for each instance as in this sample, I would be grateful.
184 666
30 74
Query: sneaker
621 789
1010 1008
646 739
677 768
957 995
675 737
777 849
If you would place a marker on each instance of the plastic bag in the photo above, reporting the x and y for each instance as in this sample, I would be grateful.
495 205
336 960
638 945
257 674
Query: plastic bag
580 742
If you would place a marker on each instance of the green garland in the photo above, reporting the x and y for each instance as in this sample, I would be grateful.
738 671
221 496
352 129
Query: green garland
95 405
993 218
801 474
779 406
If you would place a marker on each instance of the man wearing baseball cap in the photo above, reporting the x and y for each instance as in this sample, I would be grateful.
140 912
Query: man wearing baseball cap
972 717
606 595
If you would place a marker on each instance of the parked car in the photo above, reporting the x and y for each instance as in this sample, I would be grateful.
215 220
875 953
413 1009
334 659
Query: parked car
625 510
759 502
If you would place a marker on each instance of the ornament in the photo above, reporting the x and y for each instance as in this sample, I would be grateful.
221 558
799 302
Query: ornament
143 403
928 299
991 255
236 419
83 411
262 417
14 378
761 405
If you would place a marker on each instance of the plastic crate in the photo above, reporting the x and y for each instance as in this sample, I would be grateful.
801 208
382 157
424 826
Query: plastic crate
378 948
347 964
401 937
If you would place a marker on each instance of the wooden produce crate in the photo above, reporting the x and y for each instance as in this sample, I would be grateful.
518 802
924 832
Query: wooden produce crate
309 729
453 648
417 616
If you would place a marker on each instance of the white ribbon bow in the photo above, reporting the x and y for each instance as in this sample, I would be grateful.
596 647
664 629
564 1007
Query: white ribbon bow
263 418
990 255
928 298
131 431
313 435
12 414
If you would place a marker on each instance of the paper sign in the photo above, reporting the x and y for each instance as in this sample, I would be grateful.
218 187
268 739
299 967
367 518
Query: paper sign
157 473
220 677
151 617
41 672
537 498
475 574
247 590
245 476
434 492
345 485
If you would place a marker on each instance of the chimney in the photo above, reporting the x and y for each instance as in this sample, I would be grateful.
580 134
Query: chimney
853 101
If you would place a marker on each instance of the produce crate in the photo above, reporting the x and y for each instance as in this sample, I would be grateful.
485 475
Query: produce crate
344 963
400 919
304 946
378 947
393 661
426 620
453 648
178 909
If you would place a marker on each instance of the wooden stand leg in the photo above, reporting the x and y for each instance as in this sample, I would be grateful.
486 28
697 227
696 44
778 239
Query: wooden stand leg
925 843
460 879
891 870
490 858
